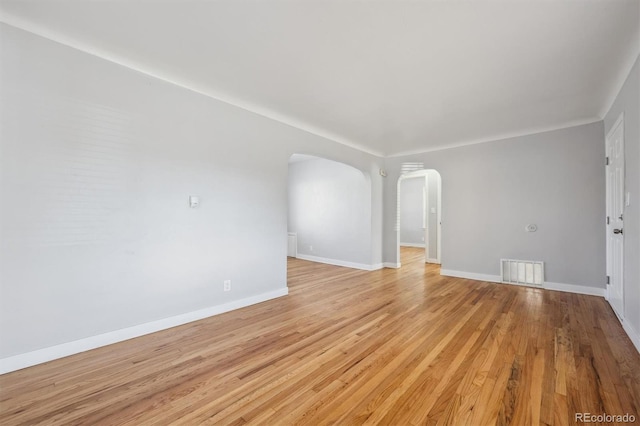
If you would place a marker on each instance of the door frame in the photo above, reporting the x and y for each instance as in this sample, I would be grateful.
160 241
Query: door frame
427 212
414 174
609 226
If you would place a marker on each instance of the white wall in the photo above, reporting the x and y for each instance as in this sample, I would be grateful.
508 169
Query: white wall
491 191
628 101
97 163
330 211
412 211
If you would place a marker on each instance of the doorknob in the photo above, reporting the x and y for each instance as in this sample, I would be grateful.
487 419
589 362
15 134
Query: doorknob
617 231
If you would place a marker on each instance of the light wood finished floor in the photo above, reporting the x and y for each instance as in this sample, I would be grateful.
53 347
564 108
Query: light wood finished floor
401 347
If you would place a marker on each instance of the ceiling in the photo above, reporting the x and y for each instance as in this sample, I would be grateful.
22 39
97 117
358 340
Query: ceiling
387 77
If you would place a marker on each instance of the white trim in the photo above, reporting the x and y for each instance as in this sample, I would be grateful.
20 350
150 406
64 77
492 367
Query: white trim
618 121
569 288
623 74
426 216
40 356
632 333
497 138
471 275
391 265
191 85
574 288
337 262
439 219
418 245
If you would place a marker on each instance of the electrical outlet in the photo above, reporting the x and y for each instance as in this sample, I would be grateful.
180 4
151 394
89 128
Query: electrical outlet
227 285
310 248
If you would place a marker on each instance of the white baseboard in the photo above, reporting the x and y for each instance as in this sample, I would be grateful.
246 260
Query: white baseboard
391 265
569 288
430 260
573 288
337 262
471 275
40 356
632 333
412 245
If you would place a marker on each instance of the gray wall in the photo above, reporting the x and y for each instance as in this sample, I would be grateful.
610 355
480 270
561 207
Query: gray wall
628 101
491 191
412 211
97 163
330 210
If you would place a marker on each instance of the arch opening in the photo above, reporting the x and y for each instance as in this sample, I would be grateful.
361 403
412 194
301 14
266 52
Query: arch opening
329 212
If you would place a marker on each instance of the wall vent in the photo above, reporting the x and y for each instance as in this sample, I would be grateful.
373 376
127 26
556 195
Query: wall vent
410 167
524 272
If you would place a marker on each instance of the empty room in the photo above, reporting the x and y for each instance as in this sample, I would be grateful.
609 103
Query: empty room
279 212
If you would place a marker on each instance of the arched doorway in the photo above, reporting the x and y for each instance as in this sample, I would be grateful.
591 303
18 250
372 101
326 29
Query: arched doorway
329 212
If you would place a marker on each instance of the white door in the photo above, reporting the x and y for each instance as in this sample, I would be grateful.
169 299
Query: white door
615 216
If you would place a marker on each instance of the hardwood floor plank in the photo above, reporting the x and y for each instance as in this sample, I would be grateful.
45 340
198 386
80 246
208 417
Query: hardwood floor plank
350 347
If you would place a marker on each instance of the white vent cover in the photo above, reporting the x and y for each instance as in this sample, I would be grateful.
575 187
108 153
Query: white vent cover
527 272
410 167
